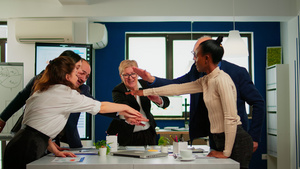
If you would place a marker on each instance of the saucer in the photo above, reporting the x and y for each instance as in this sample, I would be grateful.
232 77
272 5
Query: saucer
187 159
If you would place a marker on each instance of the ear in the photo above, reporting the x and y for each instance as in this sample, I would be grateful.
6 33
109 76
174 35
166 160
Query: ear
121 77
67 77
208 57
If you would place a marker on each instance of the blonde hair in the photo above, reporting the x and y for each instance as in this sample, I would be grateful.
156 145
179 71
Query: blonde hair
125 64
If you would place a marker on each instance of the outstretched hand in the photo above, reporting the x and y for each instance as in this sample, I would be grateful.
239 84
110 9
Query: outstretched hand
156 99
133 117
136 121
135 92
144 74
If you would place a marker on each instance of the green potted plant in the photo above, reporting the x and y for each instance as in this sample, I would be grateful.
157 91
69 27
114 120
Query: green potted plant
164 142
103 147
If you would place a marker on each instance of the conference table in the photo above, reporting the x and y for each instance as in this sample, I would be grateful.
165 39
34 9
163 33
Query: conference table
120 162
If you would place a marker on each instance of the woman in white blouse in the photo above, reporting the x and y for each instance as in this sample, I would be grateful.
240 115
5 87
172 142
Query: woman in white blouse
47 111
219 95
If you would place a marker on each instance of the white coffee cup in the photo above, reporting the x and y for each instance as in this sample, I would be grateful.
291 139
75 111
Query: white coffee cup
186 154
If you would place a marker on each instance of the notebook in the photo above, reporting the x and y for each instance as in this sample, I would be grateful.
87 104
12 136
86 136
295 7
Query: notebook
139 153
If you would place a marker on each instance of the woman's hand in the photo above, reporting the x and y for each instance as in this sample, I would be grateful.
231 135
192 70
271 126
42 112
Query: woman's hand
217 154
132 116
60 148
64 154
136 121
135 92
144 74
156 99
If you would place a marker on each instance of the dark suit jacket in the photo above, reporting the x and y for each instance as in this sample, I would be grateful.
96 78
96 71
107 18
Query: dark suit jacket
120 127
199 125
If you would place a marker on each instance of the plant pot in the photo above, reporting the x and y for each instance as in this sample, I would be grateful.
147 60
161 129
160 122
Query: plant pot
102 151
164 149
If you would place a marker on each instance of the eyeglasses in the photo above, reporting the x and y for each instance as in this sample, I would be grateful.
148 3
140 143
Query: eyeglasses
126 76
194 54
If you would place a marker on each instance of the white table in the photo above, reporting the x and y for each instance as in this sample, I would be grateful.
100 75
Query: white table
118 162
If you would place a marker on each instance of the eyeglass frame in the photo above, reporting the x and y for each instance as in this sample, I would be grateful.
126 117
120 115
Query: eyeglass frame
126 76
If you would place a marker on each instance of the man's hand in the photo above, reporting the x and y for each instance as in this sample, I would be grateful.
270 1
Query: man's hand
255 146
2 124
144 74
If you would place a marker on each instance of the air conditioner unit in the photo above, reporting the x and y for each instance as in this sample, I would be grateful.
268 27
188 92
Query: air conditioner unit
44 31
97 35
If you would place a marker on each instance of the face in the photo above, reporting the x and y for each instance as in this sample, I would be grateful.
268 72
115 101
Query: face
84 74
197 45
129 78
78 66
73 77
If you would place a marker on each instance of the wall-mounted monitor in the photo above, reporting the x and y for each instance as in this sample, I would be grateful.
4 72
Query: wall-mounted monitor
44 52
175 109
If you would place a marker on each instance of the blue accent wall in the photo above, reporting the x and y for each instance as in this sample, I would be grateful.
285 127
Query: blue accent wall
107 61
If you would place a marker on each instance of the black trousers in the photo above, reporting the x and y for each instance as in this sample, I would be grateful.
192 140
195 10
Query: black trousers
26 146
242 149
143 138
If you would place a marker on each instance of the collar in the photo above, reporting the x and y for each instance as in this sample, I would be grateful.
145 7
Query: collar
214 73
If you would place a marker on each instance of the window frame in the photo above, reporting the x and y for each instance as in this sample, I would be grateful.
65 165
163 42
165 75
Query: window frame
171 36
3 41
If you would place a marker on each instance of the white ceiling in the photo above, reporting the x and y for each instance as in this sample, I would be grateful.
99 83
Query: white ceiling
154 10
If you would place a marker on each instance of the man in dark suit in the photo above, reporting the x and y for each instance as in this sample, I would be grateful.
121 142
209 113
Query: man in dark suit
128 134
246 92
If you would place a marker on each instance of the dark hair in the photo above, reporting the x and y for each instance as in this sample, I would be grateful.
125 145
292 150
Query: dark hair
214 47
72 55
55 73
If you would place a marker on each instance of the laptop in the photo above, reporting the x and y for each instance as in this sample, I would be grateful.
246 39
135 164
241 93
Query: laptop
139 153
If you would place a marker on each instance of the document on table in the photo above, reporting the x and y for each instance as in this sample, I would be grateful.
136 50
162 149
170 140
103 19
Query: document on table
68 159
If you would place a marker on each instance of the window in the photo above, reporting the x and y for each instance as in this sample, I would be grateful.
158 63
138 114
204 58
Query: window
168 55
3 41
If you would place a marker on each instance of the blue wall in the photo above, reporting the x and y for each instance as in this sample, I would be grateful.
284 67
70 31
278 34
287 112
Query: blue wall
107 61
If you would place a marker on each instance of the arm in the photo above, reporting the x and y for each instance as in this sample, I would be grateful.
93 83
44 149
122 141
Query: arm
192 75
53 149
175 89
162 102
131 115
85 89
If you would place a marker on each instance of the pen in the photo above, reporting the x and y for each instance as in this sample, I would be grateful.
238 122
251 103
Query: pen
176 139
172 138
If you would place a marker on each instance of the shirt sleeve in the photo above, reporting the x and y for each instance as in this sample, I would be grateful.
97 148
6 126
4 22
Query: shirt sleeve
81 103
227 92
176 89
